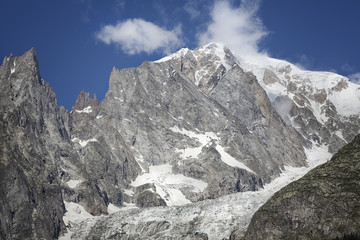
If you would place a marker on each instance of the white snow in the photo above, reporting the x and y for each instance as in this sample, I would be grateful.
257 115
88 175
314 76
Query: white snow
316 107
129 192
73 183
202 138
99 116
176 55
112 208
347 101
83 143
12 70
85 110
168 185
231 161
317 80
74 212
205 139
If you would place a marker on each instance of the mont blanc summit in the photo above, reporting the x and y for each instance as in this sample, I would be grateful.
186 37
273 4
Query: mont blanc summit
186 147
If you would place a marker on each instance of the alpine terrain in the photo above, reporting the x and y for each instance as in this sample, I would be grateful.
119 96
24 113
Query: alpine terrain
186 147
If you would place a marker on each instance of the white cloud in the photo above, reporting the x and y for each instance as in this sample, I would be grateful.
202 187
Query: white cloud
355 78
237 28
137 35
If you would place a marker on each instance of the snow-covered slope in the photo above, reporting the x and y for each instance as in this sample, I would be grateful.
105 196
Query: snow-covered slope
322 106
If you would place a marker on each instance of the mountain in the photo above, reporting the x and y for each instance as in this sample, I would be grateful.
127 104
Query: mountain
168 130
316 104
181 136
324 204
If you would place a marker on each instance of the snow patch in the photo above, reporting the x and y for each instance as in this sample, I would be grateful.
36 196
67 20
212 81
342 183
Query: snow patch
112 208
231 161
205 139
82 142
12 70
73 183
129 192
85 110
168 185
99 116
74 212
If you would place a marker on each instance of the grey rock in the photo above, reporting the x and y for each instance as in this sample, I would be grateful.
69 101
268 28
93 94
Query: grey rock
146 196
32 137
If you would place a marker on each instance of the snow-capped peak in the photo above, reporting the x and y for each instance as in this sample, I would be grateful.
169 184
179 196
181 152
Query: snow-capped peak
211 61
300 96
175 55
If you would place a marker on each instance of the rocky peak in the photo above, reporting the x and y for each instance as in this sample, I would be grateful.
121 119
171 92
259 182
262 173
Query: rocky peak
85 101
30 185
204 66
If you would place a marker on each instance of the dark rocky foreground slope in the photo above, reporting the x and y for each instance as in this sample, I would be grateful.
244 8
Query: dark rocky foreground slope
324 204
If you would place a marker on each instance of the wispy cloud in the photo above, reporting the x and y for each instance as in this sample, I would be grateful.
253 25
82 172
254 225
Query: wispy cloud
191 8
347 68
134 36
239 28
305 62
355 77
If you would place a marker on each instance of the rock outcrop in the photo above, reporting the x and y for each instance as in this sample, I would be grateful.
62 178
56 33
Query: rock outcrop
33 142
324 204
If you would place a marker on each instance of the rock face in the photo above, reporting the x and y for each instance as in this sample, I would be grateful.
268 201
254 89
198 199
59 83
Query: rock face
172 119
38 158
33 141
324 204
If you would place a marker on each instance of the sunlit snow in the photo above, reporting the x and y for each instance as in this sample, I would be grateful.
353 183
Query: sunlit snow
73 183
82 142
85 110
168 184
205 139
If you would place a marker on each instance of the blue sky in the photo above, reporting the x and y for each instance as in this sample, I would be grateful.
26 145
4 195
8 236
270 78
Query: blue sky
79 41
